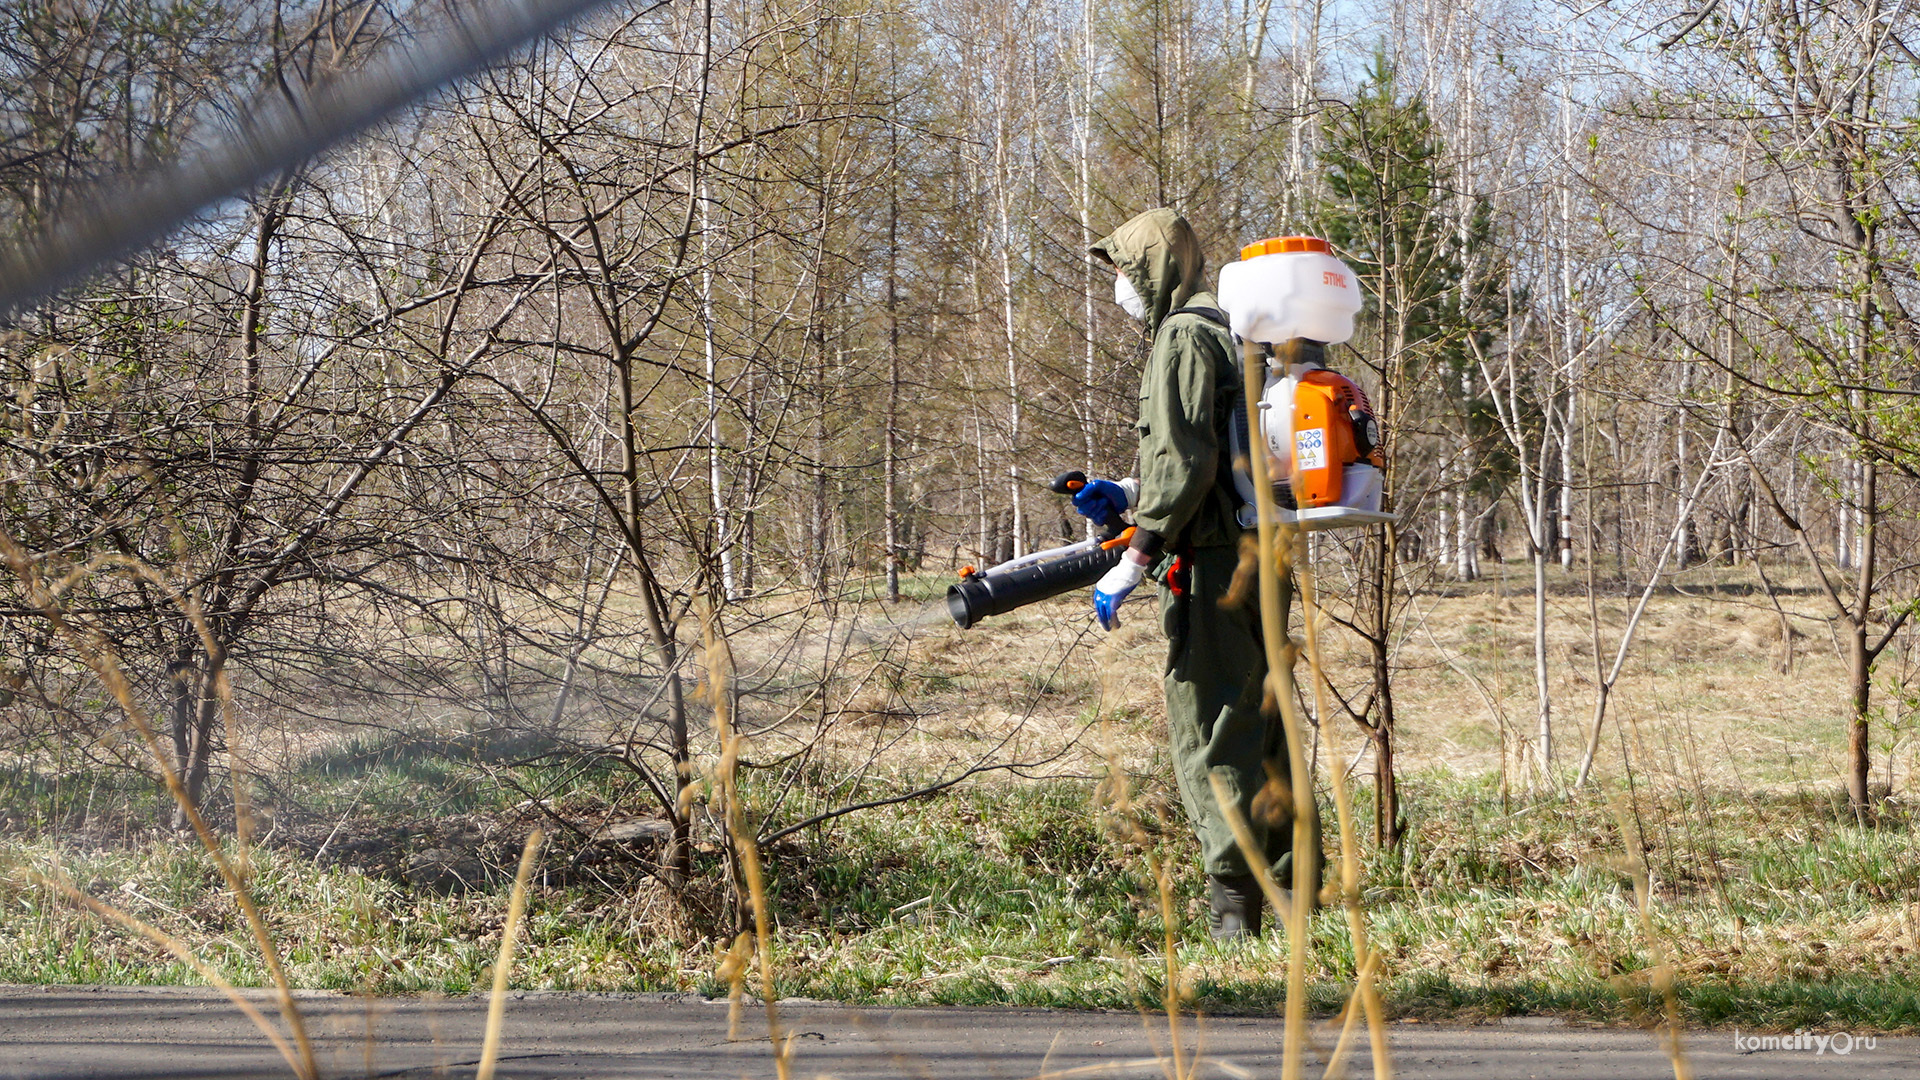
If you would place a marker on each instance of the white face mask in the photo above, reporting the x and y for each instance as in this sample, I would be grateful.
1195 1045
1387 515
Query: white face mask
1129 300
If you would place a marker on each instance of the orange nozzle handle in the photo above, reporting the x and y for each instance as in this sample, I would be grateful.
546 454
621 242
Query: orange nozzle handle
1126 535
1076 485
967 571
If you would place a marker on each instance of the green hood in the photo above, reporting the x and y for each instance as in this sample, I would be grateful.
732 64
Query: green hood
1160 254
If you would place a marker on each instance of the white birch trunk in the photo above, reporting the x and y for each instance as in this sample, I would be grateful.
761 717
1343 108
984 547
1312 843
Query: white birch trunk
1534 507
716 490
1569 339
1681 451
1003 180
1089 273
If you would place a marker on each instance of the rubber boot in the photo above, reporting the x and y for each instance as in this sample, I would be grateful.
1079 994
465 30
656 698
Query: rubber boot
1236 905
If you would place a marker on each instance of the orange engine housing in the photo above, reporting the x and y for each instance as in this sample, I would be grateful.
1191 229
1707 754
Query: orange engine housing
1322 430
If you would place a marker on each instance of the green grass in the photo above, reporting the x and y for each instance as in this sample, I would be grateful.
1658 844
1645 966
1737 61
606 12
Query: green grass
1013 893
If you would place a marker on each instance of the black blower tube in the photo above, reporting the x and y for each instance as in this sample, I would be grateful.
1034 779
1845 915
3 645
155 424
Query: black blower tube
1017 584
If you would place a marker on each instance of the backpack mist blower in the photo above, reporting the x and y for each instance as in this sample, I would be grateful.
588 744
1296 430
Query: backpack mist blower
1035 577
1292 298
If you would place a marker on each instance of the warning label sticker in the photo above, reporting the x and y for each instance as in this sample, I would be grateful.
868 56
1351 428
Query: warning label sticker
1310 449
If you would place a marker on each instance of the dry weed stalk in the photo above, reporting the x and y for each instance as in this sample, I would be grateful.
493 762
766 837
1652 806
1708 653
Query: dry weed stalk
1272 562
1183 1068
1663 972
1364 960
734 961
100 657
1349 1016
503 966
719 657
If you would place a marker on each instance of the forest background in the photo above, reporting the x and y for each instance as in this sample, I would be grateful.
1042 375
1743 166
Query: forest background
449 477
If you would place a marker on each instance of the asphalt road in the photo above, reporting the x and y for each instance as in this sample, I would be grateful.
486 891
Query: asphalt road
124 1033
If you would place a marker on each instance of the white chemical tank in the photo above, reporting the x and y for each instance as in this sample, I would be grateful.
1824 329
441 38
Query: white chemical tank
1292 287
1289 287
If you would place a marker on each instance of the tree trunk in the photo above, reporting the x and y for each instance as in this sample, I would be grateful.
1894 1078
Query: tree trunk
183 694
1563 524
1009 340
1388 826
197 717
1859 696
203 713
1682 450
716 486
985 521
677 861
1542 686
891 511
820 512
1092 390
1843 541
182 688
1465 566
1860 656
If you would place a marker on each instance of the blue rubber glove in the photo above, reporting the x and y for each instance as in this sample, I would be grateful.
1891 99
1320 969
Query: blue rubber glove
1101 500
1112 590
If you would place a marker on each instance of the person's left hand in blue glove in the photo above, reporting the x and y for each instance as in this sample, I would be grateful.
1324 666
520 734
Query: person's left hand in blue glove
1112 589
1105 500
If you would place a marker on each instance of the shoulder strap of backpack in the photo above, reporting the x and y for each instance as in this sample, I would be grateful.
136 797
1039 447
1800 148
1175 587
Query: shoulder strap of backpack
1210 314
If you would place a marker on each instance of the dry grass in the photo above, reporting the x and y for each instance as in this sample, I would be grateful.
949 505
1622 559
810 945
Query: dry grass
1768 908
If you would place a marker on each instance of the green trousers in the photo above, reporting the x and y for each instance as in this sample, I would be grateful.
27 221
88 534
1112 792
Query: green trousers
1216 668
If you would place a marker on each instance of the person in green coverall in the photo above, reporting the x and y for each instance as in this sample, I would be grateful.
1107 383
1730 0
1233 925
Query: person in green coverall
1187 534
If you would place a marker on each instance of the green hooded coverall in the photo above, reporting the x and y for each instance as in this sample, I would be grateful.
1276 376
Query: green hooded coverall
1216 661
